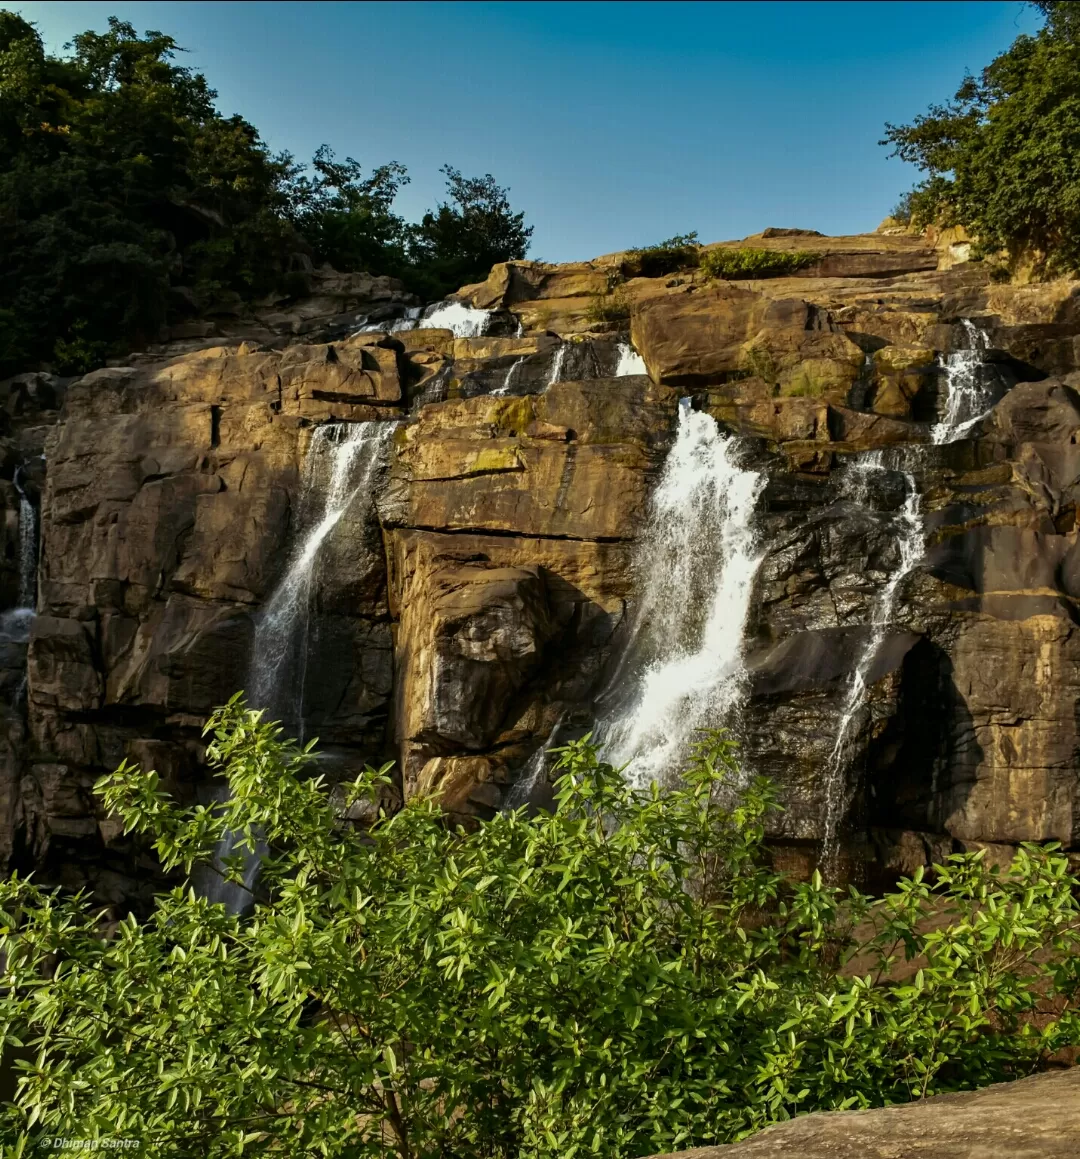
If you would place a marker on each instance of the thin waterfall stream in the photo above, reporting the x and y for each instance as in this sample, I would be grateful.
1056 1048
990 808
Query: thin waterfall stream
28 548
908 528
697 561
342 463
341 467
557 364
968 398
630 362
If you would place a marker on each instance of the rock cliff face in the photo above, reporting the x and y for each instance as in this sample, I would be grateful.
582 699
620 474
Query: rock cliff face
906 659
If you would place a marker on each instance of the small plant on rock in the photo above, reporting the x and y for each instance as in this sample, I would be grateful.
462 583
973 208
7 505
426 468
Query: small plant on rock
759 362
608 310
747 262
680 252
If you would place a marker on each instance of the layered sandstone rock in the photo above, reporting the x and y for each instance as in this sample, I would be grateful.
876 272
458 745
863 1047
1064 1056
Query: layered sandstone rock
493 609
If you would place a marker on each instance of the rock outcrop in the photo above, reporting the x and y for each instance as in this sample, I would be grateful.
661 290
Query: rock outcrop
485 605
1033 1118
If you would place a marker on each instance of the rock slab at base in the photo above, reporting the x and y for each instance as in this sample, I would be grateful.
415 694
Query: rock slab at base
1034 1118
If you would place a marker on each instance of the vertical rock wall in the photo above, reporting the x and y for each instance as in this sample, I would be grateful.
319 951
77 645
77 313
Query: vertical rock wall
494 609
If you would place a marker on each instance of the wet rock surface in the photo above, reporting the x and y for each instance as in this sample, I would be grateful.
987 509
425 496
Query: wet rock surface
478 610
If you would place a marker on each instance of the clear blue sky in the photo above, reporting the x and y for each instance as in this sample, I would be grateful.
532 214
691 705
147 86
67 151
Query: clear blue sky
614 124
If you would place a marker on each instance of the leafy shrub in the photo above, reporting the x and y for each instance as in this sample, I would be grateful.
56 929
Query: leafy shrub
1002 157
79 354
623 975
655 261
607 310
747 262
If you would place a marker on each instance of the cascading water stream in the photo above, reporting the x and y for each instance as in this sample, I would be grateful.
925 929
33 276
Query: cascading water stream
558 363
908 525
28 548
16 622
630 362
696 563
343 461
464 321
532 773
509 379
967 396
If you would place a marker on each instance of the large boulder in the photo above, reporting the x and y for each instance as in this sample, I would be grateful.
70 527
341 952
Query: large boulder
1033 1118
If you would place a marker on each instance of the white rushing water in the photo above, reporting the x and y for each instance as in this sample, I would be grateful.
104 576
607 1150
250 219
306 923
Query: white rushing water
696 563
342 462
908 527
27 553
465 321
557 364
508 381
532 774
630 362
28 547
967 395
210 882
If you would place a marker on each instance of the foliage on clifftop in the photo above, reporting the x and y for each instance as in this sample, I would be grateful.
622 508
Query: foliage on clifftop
1003 157
125 197
748 262
626 974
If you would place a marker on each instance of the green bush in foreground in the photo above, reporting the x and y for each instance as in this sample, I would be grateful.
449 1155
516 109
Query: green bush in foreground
747 262
623 975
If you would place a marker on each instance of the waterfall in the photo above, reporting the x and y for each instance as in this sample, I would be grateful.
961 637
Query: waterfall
28 548
27 553
909 541
351 454
630 362
508 380
967 396
343 462
532 773
209 881
465 321
696 564
557 364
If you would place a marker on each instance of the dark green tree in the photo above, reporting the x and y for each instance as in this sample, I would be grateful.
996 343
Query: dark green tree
121 184
464 237
1003 157
347 218
118 177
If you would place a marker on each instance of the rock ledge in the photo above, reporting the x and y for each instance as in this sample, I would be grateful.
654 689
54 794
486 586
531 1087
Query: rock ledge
1033 1118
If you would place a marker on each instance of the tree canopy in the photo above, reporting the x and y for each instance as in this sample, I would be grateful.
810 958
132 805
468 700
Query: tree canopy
1003 157
121 182
623 975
